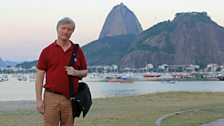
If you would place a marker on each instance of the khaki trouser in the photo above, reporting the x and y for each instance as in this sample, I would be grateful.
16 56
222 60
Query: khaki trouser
57 109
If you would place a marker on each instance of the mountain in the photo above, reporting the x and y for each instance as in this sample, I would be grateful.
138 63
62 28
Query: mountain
11 63
7 63
2 64
108 50
120 21
191 38
27 64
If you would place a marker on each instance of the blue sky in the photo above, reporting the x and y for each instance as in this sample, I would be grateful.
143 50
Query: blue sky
27 26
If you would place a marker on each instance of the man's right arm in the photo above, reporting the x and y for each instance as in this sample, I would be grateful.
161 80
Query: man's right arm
39 86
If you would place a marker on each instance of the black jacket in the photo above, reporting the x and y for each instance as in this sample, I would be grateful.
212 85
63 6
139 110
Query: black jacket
82 101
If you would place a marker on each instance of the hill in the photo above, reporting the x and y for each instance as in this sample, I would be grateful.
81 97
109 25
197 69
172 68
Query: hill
191 38
107 51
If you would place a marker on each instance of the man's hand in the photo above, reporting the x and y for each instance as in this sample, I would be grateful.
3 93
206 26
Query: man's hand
40 107
71 71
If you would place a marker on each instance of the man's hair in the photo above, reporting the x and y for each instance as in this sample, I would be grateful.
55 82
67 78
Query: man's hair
66 20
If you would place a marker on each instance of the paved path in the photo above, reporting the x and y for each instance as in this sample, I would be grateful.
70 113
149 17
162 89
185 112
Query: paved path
160 119
219 122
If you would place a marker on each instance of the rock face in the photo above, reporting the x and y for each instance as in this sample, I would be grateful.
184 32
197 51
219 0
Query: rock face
191 38
120 21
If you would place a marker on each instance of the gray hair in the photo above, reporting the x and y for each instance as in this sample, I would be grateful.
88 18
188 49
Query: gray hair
66 20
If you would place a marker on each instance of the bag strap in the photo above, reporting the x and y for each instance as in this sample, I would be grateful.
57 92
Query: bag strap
70 77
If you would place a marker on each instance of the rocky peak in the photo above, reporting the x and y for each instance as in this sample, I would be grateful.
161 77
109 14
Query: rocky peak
190 18
120 21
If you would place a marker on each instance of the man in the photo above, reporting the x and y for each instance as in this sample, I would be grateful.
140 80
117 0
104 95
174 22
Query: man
53 64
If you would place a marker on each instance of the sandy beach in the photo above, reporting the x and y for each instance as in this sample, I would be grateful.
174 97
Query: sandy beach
141 110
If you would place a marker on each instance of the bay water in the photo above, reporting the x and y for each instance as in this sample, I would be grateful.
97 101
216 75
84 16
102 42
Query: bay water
14 90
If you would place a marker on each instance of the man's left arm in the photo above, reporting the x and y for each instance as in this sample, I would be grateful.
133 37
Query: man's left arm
79 73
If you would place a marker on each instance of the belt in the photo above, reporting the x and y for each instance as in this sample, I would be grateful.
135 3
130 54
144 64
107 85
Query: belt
51 91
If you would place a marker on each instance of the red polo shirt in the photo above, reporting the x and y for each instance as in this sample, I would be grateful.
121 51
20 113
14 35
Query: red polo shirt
53 60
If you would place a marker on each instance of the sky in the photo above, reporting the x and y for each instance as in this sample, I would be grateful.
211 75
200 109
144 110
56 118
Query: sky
27 26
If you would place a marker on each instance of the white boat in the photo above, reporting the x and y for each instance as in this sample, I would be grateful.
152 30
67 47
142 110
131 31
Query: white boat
4 77
21 77
168 82
94 77
32 77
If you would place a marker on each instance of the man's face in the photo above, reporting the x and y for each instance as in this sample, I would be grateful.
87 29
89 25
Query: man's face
65 31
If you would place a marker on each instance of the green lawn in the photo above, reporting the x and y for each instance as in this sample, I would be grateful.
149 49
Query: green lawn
141 110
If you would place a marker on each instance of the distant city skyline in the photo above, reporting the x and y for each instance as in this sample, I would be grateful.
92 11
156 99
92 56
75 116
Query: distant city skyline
27 26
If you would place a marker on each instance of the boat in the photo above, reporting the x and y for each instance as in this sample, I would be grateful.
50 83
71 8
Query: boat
221 78
22 78
113 77
126 81
168 81
4 77
151 75
94 77
32 77
113 80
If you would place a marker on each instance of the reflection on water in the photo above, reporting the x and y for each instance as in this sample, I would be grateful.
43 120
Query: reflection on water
25 90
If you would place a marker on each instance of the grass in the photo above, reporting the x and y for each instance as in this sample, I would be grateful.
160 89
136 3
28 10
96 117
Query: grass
141 110
195 118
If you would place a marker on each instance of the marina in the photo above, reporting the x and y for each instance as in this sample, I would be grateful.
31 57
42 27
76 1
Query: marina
14 90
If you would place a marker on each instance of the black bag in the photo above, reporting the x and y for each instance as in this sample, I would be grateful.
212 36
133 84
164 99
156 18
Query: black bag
83 100
76 108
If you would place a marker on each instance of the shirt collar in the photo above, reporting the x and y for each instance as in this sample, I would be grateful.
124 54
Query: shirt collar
70 48
55 43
